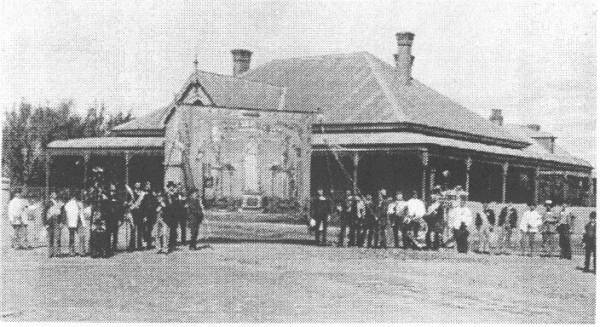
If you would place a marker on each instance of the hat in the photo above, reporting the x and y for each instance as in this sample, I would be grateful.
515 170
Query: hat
170 184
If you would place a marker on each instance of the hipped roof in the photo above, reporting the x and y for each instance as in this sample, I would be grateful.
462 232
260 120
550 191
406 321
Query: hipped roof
360 88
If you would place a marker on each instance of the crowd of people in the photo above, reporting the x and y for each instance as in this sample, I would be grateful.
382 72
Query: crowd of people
154 218
93 217
446 221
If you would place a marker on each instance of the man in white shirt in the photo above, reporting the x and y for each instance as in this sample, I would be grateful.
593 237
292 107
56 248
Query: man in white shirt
530 223
412 223
73 214
17 216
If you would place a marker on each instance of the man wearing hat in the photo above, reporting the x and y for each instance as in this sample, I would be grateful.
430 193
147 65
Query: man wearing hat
321 209
171 198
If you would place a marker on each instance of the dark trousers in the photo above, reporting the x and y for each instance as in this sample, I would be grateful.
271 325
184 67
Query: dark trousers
183 226
380 239
137 233
342 236
353 233
195 226
321 234
396 227
361 233
406 228
370 230
148 225
589 250
54 235
100 244
433 237
564 241
462 240
113 235
72 232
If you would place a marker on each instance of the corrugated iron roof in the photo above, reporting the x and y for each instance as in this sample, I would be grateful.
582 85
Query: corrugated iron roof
405 138
109 143
360 88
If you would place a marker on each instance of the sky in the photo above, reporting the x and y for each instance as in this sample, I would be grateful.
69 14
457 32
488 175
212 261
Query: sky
535 60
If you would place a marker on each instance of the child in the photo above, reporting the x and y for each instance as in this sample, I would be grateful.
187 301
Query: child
462 239
99 241
161 230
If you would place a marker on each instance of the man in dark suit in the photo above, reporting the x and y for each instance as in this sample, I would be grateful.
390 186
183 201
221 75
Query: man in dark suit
383 205
321 209
149 205
112 213
434 219
589 242
171 219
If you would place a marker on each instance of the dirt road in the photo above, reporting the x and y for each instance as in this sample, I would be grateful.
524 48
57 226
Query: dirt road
283 279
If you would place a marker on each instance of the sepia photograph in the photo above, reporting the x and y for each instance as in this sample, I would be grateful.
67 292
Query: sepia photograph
298 161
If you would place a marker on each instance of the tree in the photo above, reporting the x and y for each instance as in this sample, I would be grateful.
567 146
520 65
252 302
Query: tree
28 130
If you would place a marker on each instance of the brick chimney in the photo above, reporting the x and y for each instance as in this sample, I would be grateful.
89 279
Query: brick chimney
241 60
497 117
403 58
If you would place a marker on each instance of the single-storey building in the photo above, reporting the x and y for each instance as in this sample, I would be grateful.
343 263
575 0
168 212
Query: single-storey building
340 121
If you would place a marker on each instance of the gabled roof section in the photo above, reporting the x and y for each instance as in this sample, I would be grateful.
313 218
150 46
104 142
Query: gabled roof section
232 92
215 90
359 88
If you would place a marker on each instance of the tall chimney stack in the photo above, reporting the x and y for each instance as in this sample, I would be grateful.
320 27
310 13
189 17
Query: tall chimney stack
241 60
497 117
404 59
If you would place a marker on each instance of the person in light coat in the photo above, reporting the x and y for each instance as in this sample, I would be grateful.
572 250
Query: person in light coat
531 221
17 216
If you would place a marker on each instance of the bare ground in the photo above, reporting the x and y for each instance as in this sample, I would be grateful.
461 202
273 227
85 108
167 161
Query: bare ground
264 272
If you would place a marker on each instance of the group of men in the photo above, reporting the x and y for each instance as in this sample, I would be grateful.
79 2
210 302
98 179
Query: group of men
365 221
96 215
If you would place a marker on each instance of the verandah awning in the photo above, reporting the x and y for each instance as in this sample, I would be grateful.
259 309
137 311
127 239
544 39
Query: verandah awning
404 138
